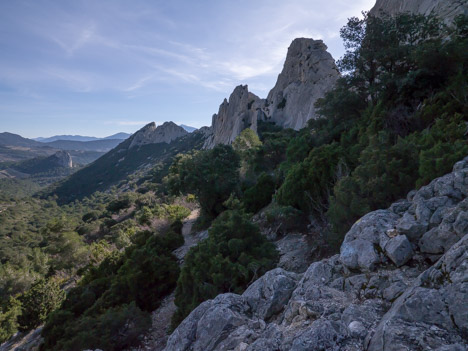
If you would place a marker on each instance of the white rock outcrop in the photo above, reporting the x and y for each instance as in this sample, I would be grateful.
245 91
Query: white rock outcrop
150 134
61 159
241 111
308 73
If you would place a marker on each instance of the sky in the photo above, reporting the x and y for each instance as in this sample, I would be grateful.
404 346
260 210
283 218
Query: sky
96 68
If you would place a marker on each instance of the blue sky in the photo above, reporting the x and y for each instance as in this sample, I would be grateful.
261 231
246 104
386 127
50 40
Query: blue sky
95 68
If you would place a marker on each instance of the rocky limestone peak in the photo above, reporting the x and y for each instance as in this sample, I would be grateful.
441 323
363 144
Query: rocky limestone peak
241 111
308 73
445 9
150 134
61 159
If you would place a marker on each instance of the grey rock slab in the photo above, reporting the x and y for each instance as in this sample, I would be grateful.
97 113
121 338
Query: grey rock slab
359 254
434 312
399 250
268 295
235 115
409 226
321 335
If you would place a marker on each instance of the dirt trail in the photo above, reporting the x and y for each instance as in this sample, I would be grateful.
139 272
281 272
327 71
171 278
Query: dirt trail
156 338
191 239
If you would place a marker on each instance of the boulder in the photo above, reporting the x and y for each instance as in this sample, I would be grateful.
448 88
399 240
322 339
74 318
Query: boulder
359 254
358 250
452 228
432 314
269 294
399 250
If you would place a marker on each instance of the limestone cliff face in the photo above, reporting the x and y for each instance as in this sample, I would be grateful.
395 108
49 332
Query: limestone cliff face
446 9
60 159
150 134
308 73
241 111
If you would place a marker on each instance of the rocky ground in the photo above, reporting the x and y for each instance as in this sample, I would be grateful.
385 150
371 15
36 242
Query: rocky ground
399 283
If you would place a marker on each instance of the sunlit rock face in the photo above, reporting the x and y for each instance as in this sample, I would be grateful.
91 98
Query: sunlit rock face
241 111
446 9
61 159
150 134
308 73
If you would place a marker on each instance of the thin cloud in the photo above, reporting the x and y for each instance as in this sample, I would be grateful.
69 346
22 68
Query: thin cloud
128 123
140 83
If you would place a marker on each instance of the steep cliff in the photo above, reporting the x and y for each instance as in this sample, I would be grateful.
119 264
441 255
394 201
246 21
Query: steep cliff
241 111
400 283
61 159
150 134
308 73
446 9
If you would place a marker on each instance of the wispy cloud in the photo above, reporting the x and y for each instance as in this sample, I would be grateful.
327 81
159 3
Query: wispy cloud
128 123
71 42
140 83
176 59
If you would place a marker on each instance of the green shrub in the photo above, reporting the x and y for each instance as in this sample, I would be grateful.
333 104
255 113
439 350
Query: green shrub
9 319
259 195
211 175
309 183
116 329
38 302
234 255
145 215
109 308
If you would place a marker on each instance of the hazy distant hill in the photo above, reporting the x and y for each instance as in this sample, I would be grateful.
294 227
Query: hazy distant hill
65 137
11 139
135 153
103 145
15 148
121 136
188 128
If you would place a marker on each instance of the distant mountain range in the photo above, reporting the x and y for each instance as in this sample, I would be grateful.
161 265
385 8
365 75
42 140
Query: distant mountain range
15 148
83 149
188 128
120 136
147 147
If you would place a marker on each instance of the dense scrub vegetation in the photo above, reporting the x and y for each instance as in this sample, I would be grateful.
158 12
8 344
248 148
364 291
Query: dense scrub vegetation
234 255
45 247
110 307
396 120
